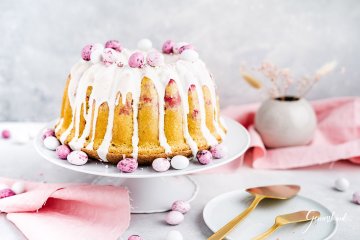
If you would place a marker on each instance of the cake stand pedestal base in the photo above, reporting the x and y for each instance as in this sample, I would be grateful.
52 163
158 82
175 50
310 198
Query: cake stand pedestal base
152 195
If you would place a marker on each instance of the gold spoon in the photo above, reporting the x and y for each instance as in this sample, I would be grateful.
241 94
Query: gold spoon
296 217
281 192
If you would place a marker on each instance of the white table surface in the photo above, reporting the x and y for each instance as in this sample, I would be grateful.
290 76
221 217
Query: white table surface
22 161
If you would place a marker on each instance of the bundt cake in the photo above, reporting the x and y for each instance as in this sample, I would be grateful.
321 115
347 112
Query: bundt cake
143 104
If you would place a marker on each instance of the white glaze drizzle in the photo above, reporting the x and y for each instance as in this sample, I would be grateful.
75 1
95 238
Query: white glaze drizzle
108 81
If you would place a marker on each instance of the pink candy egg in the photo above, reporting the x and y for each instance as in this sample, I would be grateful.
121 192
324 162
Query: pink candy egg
168 47
356 198
161 164
127 165
5 134
6 193
135 237
86 52
109 56
174 218
114 44
77 158
136 60
204 157
218 151
181 206
155 59
47 133
63 151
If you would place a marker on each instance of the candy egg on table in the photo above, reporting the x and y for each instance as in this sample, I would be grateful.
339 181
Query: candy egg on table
135 237
174 235
204 157
63 151
218 151
174 218
77 158
179 162
161 164
6 193
356 198
181 206
341 184
18 187
127 165
5 134
51 143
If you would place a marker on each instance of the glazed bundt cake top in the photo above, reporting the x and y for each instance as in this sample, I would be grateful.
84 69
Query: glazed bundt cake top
113 71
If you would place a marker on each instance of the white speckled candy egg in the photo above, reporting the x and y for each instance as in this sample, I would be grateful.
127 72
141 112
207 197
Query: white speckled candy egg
174 235
189 55
18 187
144 44
341 184
174 218
51 143
77 158
179 162
161 164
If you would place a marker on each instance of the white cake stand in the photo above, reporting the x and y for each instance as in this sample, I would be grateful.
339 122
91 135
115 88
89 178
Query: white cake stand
152 191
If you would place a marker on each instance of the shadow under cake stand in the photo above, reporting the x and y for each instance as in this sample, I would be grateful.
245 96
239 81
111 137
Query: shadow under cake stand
152 191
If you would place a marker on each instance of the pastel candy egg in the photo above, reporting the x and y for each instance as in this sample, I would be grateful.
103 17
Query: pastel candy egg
96 56
179 162
77 158
63 151
155 59
5 134
136 60
204 157
109 56
341 184
174 218
18 187
86 52
218 151
144 44
189 55
3 186
181 206
185 47
51 143
127 165
47 133
161 164
356 198
114 44
174 235
177 46
167 47
135 237
6 193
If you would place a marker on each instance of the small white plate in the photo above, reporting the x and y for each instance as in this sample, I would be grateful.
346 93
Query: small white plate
237 141
225 207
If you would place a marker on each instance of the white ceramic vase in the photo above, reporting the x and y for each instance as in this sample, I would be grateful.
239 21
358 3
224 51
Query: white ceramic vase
285 123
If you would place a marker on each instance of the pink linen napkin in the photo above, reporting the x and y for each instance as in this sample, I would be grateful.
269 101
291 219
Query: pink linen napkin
337 136
68 211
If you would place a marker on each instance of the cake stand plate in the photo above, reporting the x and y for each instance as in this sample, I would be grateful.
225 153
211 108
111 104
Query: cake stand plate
152 191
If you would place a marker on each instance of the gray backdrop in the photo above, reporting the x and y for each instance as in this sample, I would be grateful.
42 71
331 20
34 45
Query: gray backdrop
40 41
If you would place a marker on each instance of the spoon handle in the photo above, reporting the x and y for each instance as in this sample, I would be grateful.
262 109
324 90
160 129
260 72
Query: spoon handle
268 232
222 232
